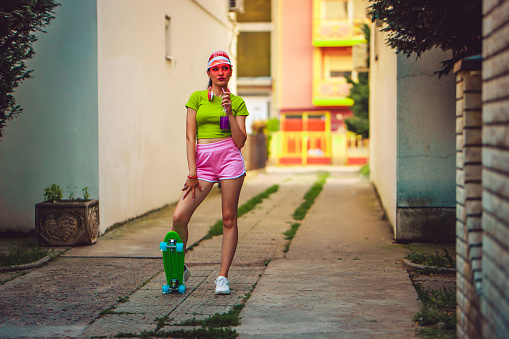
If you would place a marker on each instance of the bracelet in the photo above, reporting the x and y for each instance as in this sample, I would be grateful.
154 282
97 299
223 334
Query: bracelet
195 177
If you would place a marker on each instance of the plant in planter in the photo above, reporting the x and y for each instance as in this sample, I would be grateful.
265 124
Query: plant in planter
73 221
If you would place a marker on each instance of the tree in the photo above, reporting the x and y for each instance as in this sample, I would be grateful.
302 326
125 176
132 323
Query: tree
416 26
19 20
359 93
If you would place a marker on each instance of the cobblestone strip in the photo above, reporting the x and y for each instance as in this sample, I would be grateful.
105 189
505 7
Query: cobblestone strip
59 294
260 240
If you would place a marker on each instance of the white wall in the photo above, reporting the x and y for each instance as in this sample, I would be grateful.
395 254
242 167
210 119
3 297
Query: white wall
383 122
426 155
142 160
412 141
426 132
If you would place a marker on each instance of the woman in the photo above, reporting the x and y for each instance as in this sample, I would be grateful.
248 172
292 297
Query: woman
213 155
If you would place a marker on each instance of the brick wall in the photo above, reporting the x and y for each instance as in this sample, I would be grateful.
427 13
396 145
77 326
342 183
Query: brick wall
495 174
468 195
482 135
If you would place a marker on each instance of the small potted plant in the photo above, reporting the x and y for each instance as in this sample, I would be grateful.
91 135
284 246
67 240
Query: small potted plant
73 221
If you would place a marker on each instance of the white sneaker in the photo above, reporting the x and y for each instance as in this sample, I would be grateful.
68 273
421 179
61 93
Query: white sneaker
222 285
187 274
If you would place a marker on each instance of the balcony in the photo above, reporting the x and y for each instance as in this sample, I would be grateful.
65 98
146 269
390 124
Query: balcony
331 92
338 33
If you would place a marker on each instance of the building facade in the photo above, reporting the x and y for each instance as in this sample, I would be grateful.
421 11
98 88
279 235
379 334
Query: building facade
316 40
257 67
412 152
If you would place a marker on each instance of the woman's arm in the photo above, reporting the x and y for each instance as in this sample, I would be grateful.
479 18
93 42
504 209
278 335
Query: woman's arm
191 184
238 128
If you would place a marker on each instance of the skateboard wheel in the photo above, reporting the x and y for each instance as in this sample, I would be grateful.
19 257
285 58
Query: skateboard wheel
166 289
163 246
182 289
180 247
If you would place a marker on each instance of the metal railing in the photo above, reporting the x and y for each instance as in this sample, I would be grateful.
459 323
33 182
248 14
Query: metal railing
305 145
356 147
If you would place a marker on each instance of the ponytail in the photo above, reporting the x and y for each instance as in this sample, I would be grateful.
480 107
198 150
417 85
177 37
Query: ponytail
210 83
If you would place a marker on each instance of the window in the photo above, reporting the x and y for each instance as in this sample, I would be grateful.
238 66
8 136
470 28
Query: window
254 54
360 10
316 117
335 9
338 65
167 38
256 11
339 74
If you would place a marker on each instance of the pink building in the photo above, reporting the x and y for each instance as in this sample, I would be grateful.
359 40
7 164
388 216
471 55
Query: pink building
316 53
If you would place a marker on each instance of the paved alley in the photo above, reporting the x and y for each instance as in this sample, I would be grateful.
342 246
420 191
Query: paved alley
342 275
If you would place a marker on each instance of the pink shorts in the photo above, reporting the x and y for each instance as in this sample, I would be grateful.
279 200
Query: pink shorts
220 160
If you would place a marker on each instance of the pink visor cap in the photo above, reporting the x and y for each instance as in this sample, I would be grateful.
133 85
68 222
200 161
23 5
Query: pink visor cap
218 58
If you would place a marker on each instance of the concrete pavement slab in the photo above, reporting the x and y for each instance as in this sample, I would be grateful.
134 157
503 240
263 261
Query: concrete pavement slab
342 276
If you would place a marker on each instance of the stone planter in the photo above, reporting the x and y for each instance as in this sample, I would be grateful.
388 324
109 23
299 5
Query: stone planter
67 223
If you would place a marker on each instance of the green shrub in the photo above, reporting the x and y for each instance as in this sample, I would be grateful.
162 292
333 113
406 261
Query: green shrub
23 255
54 193
437 259
19 21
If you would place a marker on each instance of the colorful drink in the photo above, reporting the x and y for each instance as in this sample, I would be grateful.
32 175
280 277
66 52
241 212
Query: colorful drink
224 123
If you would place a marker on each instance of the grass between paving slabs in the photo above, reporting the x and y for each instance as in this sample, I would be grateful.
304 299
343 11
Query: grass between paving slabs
112 308
217 228
231 318
215 326
301 211
290 234
365 170
310 196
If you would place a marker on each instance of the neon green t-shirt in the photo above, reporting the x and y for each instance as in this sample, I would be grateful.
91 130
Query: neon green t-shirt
208 113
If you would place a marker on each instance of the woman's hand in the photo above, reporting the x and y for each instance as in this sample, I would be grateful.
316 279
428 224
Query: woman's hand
226 102
190 187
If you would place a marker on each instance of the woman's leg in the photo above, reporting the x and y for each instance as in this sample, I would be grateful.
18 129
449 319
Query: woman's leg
185 209
230 192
